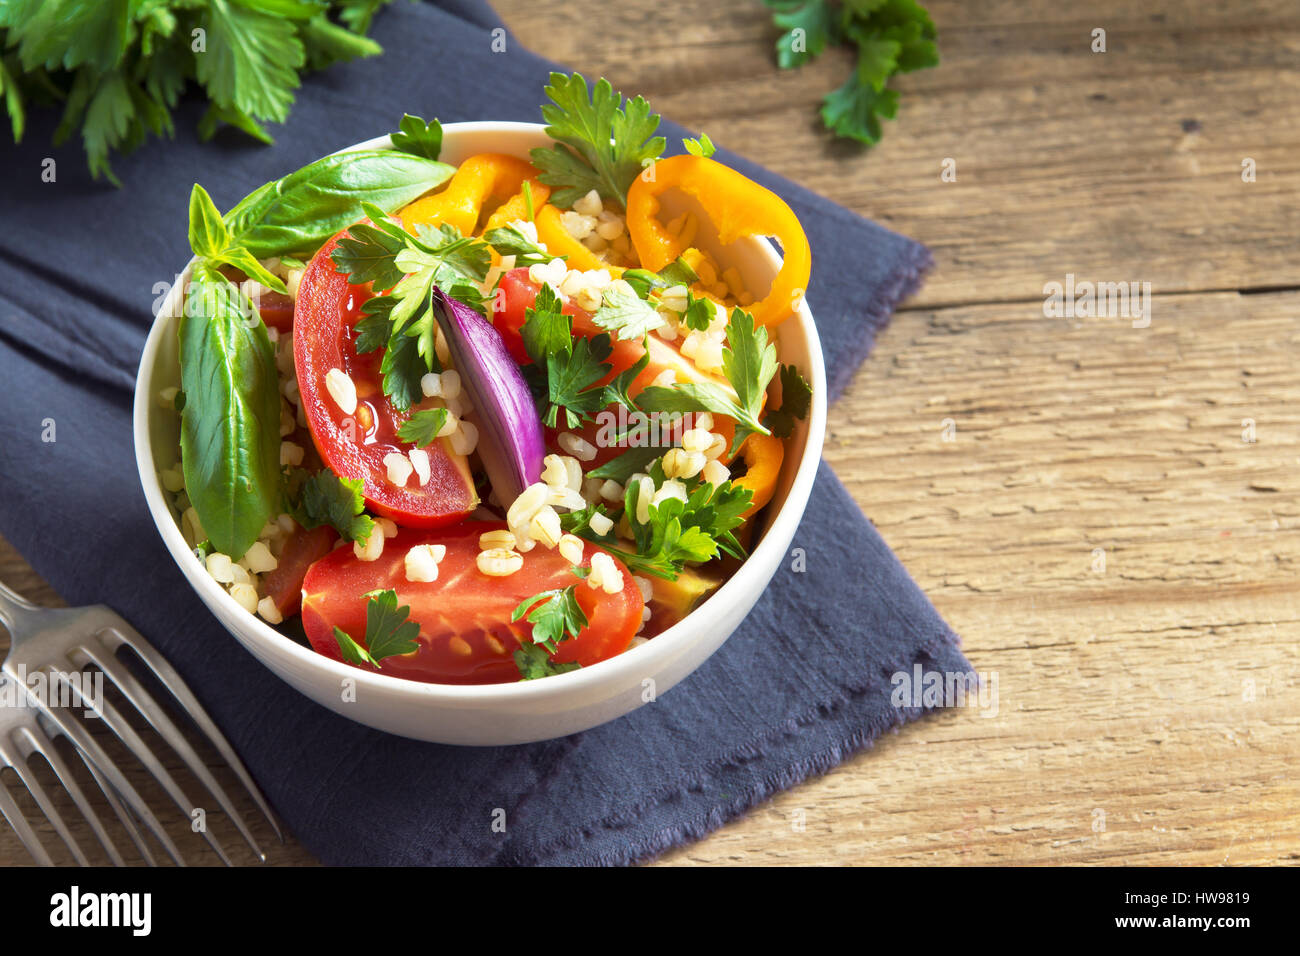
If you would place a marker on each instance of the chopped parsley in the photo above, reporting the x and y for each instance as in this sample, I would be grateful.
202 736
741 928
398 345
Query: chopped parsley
677 272
571 381
685 532
388 632
555 615
407 268
546 328
422 428
417 137
566 371
749 363
796 399
510 240
696 147
326 499
699 313
677 532
533 662
631 462
627 314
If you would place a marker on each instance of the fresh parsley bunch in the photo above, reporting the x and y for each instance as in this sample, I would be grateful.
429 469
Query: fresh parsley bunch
118 67
891 36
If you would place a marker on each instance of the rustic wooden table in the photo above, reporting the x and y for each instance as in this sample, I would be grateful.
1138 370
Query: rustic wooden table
1112 526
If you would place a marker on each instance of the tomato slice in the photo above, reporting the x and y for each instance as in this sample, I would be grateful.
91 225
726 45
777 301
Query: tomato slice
301 550
466 635
325 317
517 293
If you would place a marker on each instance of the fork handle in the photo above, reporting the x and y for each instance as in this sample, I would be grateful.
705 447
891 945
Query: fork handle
12 606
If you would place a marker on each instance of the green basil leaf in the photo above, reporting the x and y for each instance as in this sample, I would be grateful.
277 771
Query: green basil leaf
297 214
208 234
230 426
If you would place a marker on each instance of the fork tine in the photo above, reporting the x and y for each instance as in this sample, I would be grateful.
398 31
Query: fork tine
45 747
138 748
42 797
26 835
144 702
167 676
102 766
123 814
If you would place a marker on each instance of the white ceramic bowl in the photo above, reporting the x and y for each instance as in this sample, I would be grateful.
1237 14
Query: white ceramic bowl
497 713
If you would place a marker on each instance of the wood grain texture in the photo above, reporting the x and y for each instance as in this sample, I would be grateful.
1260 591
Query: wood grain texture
1148 708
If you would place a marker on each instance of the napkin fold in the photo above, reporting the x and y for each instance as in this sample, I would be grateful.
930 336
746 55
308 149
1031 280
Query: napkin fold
803 683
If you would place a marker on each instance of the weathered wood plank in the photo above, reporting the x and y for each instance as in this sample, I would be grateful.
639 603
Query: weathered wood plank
1114 166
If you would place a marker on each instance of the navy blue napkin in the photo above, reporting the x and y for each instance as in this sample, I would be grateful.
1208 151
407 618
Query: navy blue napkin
804 683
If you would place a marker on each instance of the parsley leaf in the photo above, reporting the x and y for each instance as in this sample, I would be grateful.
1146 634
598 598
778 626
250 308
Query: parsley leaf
601 142
509 240
700 147
408 267
403 366
626 313
555 616
796 399
699 313
422 428
890 37
624 466
571 381
533 662
388 632
367 254
357 14
815 18
119 67
749 362
616 389
575 522
418 137
251 59
326 499
677 272
684 532
546 329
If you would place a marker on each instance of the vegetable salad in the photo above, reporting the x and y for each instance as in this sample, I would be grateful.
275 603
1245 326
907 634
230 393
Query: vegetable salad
486 422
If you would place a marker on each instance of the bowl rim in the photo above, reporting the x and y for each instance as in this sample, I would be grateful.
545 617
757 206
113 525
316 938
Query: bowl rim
647 658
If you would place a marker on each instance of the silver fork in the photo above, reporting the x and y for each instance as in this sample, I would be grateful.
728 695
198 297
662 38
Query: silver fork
59 642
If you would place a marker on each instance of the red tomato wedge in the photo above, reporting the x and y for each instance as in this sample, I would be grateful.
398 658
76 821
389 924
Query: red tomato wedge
516 296
466 635
301 550
325 317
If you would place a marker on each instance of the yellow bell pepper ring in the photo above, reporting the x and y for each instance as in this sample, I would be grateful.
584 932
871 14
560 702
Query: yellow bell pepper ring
739 207
558 242
762 455
460 202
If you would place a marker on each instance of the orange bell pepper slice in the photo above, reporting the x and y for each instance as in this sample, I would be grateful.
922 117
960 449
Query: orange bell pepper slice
516 207
762 455
558 242
739 207
478 179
